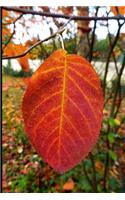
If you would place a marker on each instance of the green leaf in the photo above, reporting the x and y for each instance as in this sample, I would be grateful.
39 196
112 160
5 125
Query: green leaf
99 188
112 155
114 183
111 137
112 122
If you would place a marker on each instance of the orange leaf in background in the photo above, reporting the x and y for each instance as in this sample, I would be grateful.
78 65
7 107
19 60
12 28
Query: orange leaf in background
9 50
69 185
62 110
99 166
66 10
4 13
15 49
23 61
121 10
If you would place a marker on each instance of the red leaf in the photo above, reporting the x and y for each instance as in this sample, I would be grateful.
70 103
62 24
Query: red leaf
62 110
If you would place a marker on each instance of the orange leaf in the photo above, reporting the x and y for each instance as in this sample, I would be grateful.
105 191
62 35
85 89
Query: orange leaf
9 50
99 166
121 10
66 10
4 13
62 110
15 49
24 63
69 185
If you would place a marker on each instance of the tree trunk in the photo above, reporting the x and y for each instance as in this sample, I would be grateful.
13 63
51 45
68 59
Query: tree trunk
82 30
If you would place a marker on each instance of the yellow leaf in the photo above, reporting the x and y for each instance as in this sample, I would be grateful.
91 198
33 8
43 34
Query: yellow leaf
117 122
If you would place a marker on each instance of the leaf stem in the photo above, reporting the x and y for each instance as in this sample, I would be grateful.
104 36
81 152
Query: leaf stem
61 40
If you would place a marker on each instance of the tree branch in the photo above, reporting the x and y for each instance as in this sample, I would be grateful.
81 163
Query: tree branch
48 14
112 114
94 172
14 26
39 42
87 176
109 55
93 37
117 89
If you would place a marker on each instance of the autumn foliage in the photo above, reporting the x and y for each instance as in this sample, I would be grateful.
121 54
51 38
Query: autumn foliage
121 10
62 110
16 49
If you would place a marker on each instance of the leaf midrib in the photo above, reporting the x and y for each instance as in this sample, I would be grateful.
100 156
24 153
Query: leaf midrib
62 106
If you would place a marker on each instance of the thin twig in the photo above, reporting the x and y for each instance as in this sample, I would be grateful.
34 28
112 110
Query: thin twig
93 37
87 176
9 38
48 14
112 114
94 173
106 169
13 22
110 42
39 42
109 56
117 88
14 26
108 98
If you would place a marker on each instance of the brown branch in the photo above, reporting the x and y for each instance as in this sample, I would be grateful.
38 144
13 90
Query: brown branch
39 42
14 24
109 55
106 170
87 176
108 98
93 37
13 21
9 38
48 14
94 172
112 114
110 42
117 89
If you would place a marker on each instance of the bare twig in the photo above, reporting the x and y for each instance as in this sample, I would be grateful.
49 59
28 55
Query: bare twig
14 24
87 176
108 98
48 14
109 55
9 38
112 114
110 42
94 173
93 37
106 170
117 88
39 42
